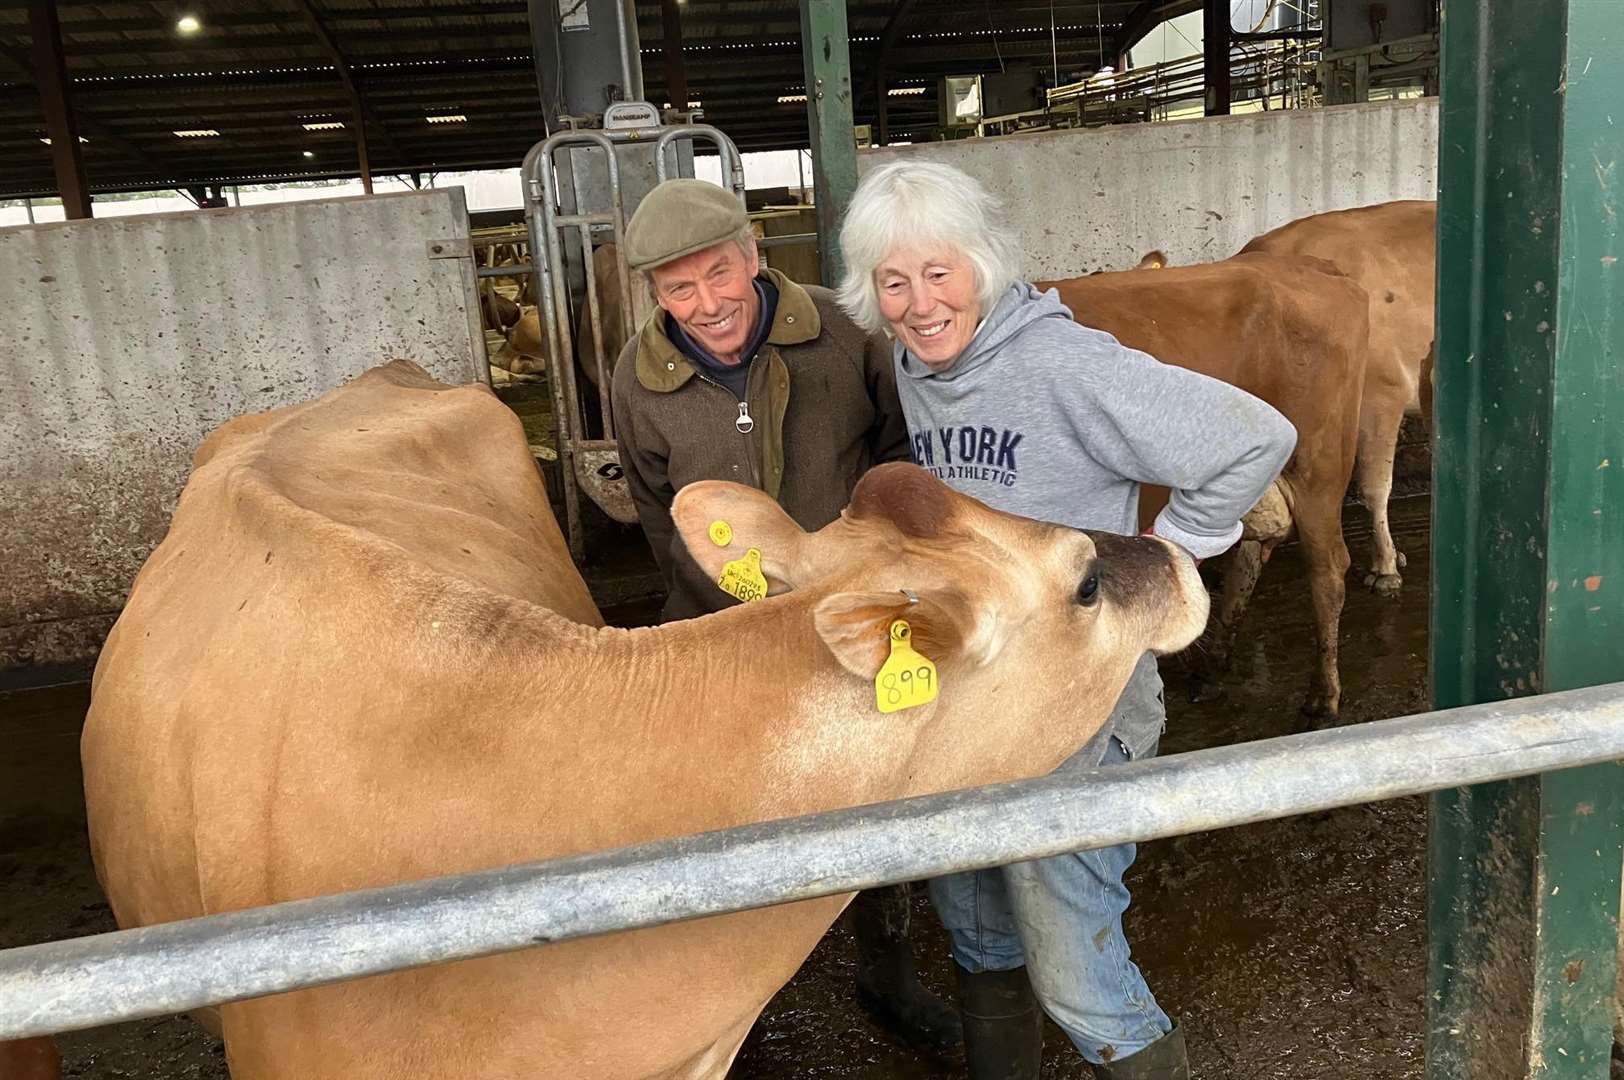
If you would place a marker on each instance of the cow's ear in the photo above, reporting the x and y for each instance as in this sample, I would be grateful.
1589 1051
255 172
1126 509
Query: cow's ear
945 624
720 521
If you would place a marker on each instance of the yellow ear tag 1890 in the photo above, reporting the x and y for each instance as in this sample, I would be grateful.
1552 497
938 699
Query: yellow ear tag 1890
907 678
742 578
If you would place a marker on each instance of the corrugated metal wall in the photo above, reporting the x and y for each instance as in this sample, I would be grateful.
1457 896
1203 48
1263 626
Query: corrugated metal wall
1098 199
123 342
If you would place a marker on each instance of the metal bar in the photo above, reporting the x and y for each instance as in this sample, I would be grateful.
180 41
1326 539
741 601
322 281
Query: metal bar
826 59
536 179
174 967
1216 32
676 75
888 41
67 157
564 221
510 270
786 240
631 65
594 312
1528 528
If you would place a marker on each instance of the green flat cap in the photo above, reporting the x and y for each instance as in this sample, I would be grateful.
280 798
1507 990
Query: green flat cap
680 217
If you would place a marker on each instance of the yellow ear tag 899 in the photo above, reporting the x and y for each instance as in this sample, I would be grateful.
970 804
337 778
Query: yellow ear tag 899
742 578
907 678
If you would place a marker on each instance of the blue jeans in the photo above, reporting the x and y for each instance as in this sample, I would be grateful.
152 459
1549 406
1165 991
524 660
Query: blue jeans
1062 918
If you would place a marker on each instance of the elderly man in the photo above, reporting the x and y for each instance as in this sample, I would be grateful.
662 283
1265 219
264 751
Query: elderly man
741 374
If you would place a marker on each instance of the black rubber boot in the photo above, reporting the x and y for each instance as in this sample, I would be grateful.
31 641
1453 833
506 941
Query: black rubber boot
1163 1059
888 985
1003 1026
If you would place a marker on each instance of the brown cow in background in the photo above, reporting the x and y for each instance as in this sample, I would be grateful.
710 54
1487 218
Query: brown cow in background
1391 250
1289 330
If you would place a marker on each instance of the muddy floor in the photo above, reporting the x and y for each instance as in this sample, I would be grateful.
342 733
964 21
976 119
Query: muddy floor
1286 949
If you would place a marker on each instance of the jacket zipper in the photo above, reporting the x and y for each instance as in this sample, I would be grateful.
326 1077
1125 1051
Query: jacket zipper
744 414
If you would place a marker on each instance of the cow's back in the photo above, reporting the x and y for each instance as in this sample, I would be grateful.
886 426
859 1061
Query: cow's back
328 550
1288 330
1390 249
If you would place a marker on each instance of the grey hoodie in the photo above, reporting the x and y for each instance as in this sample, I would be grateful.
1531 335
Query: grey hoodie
1051 420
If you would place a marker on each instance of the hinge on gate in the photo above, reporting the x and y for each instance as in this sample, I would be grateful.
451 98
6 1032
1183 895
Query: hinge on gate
458 247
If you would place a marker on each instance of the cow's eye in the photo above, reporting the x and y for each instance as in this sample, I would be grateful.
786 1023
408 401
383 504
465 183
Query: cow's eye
1089 591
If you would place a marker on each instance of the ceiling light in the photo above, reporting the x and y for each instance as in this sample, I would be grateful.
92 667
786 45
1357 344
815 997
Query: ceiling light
447 118
324 125
197 133
791 99
695 105
905 91
188 24
310 153
46 139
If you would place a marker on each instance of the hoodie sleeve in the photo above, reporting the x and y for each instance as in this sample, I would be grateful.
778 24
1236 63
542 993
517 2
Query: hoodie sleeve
1215 447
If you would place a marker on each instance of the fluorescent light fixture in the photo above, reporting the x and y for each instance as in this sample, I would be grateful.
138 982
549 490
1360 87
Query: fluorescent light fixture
188 24
197 133
46 139
310 153
324 125
905 91
447 118
791 99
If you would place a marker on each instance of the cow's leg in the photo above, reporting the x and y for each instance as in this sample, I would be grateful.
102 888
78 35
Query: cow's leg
1241 569
1378 448
1319 525
1264 526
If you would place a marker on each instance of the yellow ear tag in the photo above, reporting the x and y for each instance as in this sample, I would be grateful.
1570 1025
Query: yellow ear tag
721 533
907 678
742 578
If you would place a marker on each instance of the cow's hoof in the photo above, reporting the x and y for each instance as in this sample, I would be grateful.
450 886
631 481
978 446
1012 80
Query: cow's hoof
1317 713
1203 689
1388 585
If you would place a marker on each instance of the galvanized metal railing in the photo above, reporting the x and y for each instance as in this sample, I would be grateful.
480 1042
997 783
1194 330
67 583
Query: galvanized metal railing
108 978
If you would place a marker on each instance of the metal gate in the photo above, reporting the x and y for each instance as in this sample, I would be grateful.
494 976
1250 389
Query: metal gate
588 461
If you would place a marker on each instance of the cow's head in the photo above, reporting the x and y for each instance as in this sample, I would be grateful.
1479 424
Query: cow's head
1029 624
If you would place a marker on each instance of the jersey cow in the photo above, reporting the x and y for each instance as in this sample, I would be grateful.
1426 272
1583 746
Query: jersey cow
364 613
1391 250
1291 331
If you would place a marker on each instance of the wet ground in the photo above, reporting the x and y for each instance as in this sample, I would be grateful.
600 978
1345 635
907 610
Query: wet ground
1291 949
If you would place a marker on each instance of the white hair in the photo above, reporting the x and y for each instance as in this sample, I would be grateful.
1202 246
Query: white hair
922 205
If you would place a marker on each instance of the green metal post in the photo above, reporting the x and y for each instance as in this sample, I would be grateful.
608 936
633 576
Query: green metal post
826 56
1528 526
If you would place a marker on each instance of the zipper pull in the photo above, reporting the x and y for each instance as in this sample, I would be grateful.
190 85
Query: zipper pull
744 423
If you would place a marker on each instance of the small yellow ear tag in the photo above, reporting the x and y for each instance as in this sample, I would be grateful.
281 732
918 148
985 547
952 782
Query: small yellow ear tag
742 578
907 677
721 533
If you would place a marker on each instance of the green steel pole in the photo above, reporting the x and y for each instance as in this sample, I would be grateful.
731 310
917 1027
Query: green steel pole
1528 526
826 56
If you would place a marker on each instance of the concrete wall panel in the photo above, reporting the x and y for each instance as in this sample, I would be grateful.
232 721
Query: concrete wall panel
1098 199
124 341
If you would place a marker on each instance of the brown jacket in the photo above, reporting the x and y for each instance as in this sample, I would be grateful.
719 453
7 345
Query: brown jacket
824 399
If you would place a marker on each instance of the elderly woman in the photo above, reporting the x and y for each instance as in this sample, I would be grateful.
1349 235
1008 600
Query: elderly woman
1011 401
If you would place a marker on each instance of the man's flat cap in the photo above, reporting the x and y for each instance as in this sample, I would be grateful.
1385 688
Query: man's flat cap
680 217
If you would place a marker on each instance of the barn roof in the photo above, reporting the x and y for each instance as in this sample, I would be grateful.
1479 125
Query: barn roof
261 71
